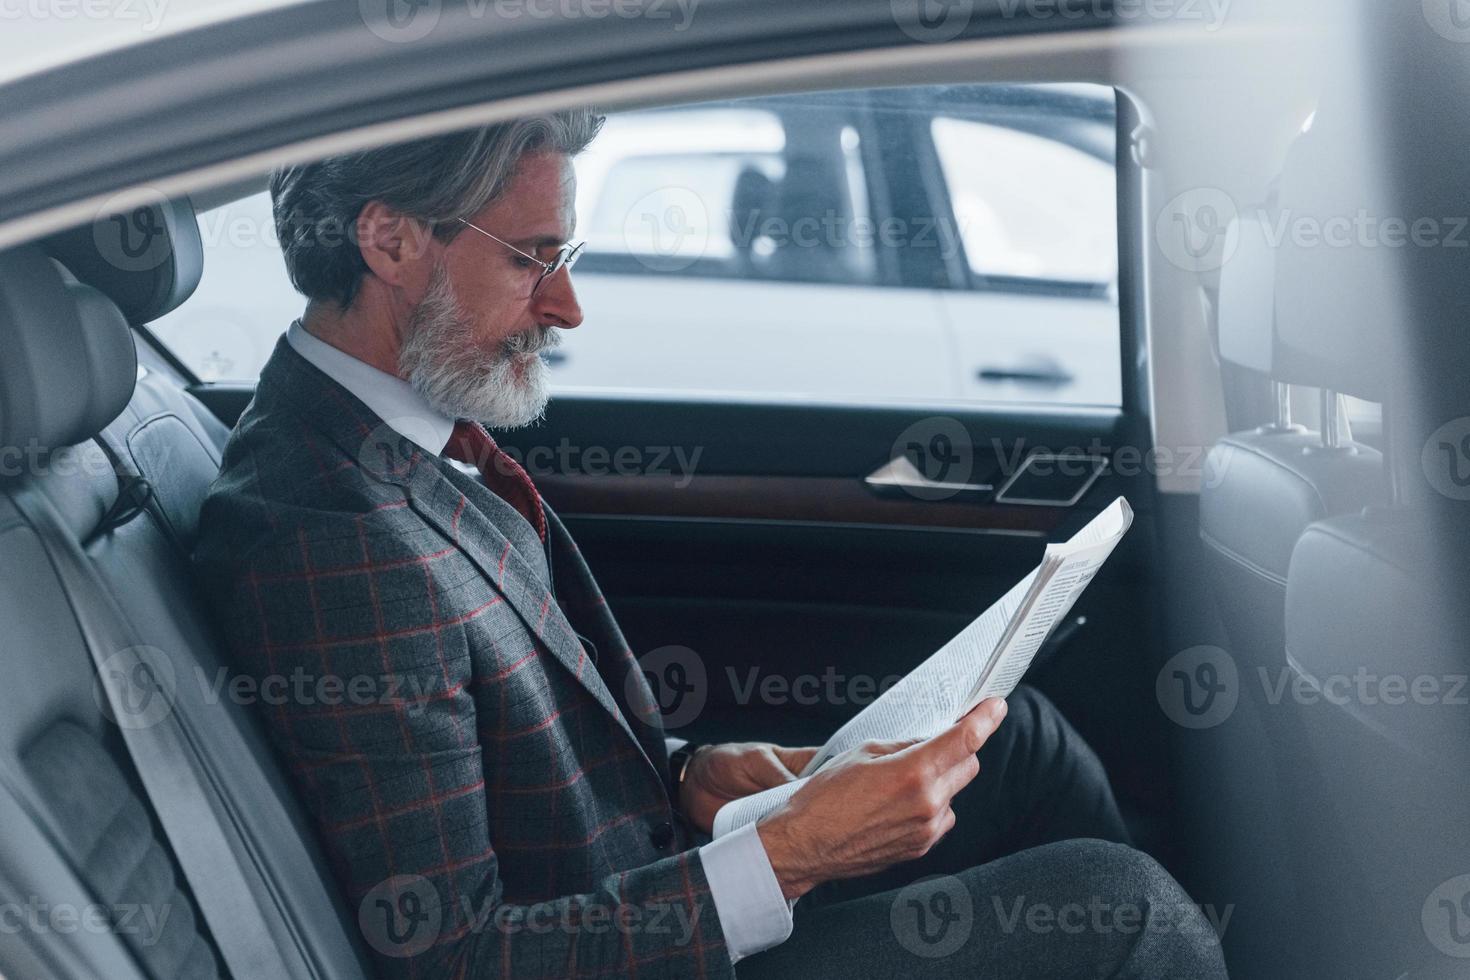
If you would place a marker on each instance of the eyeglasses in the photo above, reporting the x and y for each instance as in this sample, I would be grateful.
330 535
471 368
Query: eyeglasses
565 257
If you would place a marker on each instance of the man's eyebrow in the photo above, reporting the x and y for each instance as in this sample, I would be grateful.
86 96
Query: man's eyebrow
538 241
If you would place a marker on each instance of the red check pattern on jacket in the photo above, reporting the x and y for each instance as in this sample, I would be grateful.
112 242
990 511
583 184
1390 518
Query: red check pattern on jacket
491 790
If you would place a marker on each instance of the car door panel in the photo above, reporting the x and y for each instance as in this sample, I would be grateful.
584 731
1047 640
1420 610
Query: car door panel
794 592
1014 348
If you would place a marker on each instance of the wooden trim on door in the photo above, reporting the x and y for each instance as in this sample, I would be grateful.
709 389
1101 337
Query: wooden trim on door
818 500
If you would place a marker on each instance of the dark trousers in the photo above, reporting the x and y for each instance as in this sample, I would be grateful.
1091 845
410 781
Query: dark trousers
1036 880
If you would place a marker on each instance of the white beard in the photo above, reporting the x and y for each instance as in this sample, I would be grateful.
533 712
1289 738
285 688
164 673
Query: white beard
445 363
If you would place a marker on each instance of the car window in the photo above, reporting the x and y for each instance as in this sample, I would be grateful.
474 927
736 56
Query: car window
1028 207
719 192
226 330
797 248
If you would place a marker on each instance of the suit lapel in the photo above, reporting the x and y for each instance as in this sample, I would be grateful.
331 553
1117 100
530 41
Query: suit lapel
458 516
587 610
462 514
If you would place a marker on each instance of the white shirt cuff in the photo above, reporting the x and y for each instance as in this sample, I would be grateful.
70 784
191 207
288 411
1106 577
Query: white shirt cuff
754 915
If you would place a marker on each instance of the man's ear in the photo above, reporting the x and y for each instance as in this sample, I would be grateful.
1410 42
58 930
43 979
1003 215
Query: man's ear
394 246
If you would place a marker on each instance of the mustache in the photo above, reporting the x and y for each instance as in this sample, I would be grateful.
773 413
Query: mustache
533 341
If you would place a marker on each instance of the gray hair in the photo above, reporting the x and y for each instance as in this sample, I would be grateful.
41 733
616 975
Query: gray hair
436 180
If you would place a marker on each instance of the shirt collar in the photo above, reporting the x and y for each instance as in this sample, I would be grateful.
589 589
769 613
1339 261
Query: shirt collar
389 397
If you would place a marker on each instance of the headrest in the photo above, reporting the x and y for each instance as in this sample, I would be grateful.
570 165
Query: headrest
148 260
67 362
809 189
1338 313
1247 307
754 195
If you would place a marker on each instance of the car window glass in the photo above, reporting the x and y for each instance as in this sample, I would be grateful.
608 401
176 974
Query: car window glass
797 247
720 192
1029 207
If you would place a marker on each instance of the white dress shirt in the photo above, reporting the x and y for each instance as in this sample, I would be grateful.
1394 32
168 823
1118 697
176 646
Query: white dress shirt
754 915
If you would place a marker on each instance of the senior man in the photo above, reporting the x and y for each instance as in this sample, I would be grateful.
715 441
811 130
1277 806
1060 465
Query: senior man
505 803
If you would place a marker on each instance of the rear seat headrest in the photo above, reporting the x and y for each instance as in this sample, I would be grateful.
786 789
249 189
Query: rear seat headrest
67 361
1247 307
1338 314
147 260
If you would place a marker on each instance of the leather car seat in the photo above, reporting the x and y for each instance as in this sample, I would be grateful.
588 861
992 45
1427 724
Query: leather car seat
180 805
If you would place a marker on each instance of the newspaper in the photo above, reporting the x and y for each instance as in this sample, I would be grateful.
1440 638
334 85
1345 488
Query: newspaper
985 660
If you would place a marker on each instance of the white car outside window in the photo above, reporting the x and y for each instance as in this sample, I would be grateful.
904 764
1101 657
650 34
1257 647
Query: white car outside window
797 249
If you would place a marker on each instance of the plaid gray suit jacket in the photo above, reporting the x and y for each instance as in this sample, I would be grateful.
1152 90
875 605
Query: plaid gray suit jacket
481 755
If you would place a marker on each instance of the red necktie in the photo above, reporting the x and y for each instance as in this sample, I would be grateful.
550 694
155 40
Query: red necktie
471 444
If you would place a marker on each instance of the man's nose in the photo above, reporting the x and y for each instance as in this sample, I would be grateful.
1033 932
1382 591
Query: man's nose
555 303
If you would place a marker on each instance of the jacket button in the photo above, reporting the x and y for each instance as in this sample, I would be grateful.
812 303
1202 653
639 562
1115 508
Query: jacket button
662 835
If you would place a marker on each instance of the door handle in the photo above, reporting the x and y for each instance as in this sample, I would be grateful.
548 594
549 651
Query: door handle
1052 378
554 358
900 473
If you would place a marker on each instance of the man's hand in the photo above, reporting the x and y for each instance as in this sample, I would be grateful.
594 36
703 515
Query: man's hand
875 806
718 774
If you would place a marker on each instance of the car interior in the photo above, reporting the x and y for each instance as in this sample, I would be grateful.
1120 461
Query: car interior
1267 437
